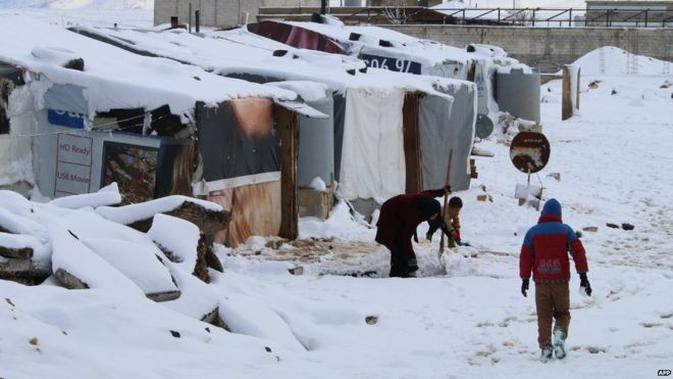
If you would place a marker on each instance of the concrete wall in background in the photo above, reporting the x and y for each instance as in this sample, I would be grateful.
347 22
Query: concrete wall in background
548 49
220 12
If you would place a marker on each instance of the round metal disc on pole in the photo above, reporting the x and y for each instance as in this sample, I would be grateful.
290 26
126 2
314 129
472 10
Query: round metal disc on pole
484 126
529 152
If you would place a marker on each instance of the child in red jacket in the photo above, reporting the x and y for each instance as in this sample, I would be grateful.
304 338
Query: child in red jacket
545 253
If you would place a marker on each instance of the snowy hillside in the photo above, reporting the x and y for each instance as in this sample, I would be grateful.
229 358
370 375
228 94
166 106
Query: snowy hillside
66 13
78 4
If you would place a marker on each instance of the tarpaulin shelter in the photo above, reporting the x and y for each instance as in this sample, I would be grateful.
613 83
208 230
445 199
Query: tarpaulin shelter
384 48
156 127
372 156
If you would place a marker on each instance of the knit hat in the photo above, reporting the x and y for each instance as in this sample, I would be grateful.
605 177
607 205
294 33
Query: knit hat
428 206
552 208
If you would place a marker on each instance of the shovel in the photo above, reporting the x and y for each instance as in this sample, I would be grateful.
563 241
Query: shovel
446 197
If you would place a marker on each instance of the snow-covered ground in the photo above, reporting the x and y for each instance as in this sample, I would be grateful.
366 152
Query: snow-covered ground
614 162
612 159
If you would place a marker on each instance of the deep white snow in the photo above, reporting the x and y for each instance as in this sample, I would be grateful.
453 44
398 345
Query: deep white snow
613 160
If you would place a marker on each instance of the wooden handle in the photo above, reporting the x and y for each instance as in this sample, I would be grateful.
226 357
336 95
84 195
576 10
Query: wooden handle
446 197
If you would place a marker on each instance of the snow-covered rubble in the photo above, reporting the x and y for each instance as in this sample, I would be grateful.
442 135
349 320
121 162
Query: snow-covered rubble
119 268
68 238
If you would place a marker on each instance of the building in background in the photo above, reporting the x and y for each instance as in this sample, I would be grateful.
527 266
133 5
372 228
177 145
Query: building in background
629 13
220 12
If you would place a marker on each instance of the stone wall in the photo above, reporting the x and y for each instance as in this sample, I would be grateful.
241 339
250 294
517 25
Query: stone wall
549 48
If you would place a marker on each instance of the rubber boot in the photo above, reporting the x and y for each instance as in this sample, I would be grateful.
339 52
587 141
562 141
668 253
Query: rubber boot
546 354
559 344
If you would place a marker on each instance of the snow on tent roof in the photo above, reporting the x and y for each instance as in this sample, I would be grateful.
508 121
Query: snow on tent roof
115 78
239 51
425 51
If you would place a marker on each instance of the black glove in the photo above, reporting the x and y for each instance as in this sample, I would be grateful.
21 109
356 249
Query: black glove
447 189
584 283
412 264
524 287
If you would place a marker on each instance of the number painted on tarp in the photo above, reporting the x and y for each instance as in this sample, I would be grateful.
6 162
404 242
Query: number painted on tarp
398 65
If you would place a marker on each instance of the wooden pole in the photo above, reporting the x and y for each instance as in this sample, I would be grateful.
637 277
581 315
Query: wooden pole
566 95
446 197
288 130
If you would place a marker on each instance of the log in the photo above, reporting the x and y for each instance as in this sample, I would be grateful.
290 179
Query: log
213 318
163 296
23 271
208 221
23 253
69 280
201 267
205 258
212 260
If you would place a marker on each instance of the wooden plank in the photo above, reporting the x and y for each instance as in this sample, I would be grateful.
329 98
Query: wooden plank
566 100
412 144
472 72
577 89
288 131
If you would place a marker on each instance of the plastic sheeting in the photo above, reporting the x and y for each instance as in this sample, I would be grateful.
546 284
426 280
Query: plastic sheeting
295 36
339 119
66 97
241 166
372 159
316 146
445 127
236 139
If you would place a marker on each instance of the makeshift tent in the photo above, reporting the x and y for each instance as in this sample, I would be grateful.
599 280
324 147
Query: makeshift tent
459 127
365 105
103 114
315 153
462 116
387 49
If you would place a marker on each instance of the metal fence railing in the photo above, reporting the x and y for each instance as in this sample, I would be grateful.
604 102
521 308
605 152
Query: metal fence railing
613 17
552 17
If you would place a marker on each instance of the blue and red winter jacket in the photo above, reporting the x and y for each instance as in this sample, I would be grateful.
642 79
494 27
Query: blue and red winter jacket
546 245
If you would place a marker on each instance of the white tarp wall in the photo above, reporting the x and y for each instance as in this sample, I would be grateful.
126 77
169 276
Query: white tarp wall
15 148
372 163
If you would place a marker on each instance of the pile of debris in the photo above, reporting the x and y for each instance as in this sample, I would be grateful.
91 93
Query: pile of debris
161 249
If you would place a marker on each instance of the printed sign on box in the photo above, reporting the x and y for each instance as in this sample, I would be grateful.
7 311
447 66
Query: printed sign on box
73 165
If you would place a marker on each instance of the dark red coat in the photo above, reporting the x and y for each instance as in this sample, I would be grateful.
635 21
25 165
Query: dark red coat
398 219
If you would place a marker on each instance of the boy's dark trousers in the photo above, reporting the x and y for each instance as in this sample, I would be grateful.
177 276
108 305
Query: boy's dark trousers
553 302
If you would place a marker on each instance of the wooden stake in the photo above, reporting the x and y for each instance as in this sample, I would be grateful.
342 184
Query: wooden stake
446 197
288 131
